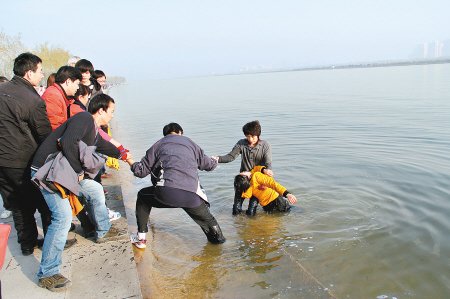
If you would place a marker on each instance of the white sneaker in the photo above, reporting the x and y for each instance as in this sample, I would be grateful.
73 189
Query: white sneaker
5 214
113 215
139 243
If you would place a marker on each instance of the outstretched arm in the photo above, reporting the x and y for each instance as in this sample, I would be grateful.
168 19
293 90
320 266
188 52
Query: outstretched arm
231 156
144 167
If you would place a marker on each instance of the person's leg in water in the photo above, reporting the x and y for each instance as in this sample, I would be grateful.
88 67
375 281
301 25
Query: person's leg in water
237 205
252 206
203 217
143 209
280 204
146 199
195 207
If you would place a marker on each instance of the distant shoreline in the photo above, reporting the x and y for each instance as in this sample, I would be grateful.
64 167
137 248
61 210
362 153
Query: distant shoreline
348 66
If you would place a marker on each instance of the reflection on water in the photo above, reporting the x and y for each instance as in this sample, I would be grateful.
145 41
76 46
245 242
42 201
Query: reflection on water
366 153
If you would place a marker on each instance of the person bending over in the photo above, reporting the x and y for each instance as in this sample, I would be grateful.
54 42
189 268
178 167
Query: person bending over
254 151
68 139
173 162
259 187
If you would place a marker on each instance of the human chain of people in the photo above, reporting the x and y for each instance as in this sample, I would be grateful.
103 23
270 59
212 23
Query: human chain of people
56 143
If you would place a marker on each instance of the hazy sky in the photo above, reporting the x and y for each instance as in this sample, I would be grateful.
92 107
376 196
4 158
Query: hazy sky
161 39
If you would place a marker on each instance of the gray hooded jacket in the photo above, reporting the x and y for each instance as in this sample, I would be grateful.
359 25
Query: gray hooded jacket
57 169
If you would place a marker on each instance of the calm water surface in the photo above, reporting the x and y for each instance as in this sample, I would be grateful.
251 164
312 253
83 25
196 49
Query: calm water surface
366 151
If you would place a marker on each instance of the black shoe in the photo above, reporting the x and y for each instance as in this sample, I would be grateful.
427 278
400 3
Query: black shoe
214 234
70 243
27 251
54 283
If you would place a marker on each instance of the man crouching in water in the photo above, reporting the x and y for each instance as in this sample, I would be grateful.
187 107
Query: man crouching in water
173 162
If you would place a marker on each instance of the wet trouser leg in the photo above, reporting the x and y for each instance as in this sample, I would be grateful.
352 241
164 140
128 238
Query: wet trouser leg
237 205
158 196
280 204
146 199
203 217
252 205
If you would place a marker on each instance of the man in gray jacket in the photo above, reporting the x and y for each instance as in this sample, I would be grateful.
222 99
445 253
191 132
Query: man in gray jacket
173 162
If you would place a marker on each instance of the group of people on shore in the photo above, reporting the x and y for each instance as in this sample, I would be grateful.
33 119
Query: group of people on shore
49 144
53 149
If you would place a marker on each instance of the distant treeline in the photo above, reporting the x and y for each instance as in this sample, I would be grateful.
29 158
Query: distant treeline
52 57
378 64
441 60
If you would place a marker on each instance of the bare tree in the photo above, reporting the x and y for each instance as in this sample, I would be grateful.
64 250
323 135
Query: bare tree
10 48
52 57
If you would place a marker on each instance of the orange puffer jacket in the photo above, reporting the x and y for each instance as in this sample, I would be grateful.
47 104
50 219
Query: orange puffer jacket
263 187
57 102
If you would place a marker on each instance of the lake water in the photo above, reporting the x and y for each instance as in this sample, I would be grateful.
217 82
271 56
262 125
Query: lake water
366 152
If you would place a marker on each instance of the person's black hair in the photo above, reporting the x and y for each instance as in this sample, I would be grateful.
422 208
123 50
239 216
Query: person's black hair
83 90
3 79
25 62
84 65
100 101
241 183
67 72
98 73
252 128
172 128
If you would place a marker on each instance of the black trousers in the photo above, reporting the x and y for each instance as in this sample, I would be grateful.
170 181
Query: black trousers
155 196
280 204
23 198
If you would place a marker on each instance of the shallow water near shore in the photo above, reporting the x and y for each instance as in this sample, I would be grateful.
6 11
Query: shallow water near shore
364 150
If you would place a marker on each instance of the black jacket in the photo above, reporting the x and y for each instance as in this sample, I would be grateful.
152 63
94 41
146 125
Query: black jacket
82 127
23 122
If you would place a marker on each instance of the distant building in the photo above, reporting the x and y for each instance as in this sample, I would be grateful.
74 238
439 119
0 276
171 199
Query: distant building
430 50
438 46
425 50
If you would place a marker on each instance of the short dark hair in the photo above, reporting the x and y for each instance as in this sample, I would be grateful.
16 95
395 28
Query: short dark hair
100 101
252 128
83 90
67 72
25 62
241 184
98 73
172 128
84 65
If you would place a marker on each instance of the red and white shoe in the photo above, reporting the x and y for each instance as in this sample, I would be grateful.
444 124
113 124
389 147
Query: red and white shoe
139 243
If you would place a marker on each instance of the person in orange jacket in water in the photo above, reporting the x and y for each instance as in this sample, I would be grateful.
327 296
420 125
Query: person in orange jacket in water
263 189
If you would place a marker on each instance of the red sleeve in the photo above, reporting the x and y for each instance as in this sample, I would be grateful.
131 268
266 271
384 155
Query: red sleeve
56 108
